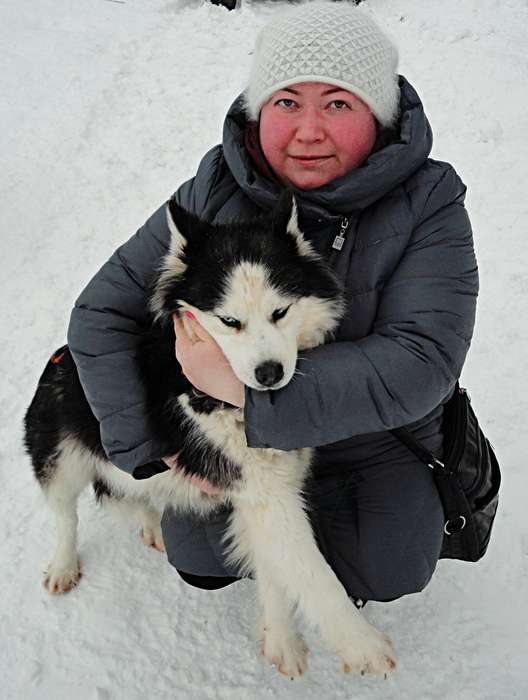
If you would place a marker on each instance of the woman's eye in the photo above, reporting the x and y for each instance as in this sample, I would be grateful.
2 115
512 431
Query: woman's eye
279 313
339 104
230 322
285 102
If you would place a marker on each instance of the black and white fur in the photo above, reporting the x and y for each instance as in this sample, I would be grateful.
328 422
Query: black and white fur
263 293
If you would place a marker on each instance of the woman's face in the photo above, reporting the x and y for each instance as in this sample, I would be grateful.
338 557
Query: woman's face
312 133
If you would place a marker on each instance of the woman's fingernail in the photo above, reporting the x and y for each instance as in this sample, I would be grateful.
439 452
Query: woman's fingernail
189 314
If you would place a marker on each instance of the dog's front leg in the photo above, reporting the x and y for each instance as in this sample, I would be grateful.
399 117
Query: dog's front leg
280 538
281 642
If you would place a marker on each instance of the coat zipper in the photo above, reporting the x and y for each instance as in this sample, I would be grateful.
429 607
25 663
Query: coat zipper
460 418
339 240
483 473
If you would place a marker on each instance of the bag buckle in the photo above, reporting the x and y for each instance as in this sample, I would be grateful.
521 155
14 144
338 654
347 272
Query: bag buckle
458 525
436 463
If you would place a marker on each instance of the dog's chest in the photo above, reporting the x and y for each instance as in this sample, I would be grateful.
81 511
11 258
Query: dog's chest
224 430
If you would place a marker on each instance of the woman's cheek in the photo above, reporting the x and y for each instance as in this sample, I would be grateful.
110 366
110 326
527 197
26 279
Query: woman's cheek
354 141
275 136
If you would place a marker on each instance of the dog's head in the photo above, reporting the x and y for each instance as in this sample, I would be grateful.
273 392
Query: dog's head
257 287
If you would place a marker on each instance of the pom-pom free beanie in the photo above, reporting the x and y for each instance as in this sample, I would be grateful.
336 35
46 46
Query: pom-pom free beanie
325 42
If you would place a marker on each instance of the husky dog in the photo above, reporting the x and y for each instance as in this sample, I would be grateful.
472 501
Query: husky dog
263 293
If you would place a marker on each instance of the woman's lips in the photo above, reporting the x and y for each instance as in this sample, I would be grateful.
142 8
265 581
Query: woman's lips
310 160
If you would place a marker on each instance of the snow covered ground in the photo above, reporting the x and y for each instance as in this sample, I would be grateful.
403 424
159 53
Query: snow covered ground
107 106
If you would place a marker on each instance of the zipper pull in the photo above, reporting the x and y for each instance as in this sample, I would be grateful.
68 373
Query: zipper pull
340 238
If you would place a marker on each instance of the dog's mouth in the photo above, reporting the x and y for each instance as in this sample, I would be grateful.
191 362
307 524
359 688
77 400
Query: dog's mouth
267 376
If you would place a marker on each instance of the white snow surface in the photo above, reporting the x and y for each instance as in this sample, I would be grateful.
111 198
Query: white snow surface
107 107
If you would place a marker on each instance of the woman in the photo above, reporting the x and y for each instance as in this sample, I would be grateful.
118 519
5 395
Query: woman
326 114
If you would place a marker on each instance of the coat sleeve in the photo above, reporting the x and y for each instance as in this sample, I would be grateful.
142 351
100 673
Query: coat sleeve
411 360
108 321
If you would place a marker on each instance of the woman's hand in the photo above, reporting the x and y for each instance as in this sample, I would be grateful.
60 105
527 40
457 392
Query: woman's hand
203 484
205 365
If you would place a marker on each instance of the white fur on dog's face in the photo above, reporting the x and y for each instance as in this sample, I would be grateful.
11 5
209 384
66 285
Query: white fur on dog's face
251 300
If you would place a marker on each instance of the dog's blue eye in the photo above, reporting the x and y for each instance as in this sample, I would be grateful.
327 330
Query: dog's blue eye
279 313
231 322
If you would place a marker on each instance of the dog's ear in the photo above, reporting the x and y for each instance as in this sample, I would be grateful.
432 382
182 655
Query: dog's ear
282 212
178 221
286 218
173 265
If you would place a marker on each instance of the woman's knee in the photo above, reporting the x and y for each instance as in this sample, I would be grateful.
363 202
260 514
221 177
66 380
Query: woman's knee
386 544
195 546
399 573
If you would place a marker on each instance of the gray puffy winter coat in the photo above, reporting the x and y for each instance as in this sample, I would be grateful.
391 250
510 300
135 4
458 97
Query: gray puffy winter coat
411 280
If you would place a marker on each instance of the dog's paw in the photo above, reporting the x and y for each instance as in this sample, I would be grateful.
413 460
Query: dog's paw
61 579
286 651
368 652
152 537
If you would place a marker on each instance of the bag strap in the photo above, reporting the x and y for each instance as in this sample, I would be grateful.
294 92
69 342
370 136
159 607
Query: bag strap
423 454
455 507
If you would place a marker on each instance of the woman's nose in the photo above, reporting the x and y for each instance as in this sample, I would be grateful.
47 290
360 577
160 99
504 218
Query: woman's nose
310 127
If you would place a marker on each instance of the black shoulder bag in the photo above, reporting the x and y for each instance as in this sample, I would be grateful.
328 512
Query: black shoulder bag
468 479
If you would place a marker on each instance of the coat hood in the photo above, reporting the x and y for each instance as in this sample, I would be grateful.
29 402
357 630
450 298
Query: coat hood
384 170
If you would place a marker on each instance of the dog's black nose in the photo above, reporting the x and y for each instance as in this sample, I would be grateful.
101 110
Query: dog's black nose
269 373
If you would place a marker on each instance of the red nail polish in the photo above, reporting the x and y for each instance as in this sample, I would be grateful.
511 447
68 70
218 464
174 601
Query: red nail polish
189 314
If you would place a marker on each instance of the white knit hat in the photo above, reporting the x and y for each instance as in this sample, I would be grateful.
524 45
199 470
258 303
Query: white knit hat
332 43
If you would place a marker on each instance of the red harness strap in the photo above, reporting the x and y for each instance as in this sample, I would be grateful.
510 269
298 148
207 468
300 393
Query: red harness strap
58 355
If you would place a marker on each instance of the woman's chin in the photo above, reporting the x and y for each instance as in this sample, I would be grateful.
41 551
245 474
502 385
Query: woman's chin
309 180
